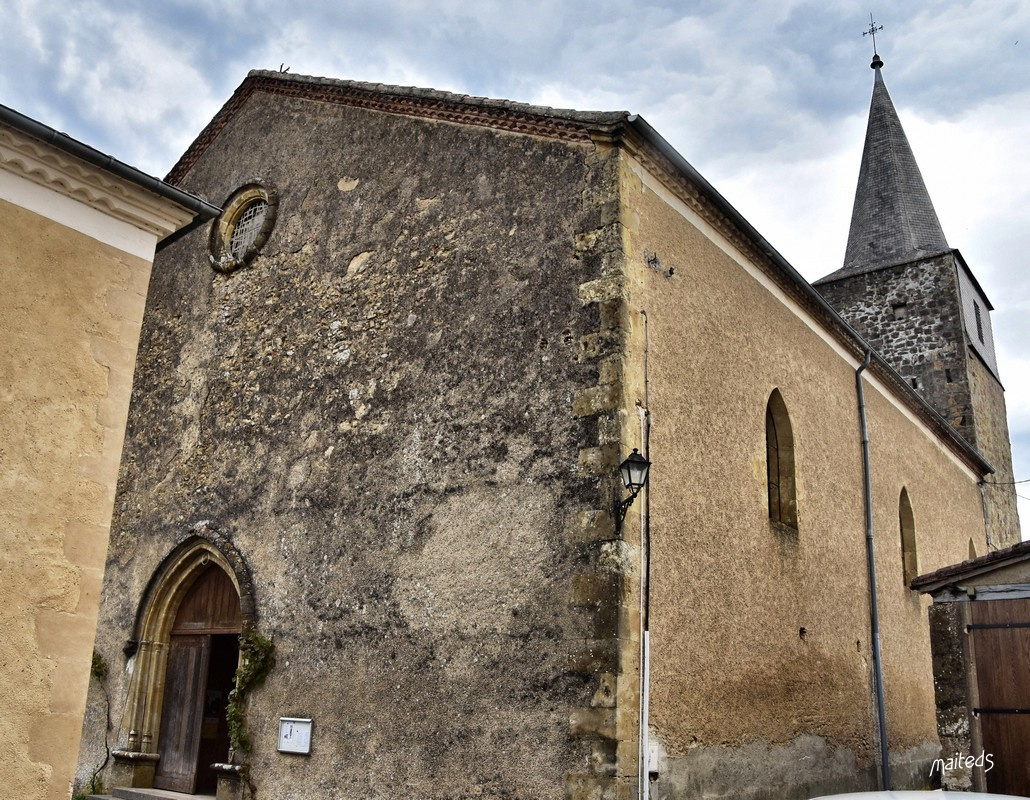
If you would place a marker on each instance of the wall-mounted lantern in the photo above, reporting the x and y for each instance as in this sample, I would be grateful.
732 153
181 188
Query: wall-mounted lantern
634 475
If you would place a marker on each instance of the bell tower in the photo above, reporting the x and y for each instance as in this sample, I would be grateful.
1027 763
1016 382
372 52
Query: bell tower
913 297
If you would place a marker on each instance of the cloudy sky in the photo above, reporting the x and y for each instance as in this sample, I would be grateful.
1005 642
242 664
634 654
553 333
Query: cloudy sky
767 99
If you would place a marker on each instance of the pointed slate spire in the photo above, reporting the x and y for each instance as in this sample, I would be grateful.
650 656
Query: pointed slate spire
893 220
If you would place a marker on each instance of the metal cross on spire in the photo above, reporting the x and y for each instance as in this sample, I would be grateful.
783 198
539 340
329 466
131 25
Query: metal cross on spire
873 28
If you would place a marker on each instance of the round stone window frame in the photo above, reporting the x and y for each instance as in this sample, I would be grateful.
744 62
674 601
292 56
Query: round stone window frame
232 212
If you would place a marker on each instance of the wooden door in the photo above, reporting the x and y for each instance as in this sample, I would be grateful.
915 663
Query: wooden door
185 684
202 657
1000 631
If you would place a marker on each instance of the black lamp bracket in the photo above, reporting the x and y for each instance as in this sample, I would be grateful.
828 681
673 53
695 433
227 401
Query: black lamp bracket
621 507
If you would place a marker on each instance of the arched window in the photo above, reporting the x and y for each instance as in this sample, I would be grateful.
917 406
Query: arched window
909 555
779 457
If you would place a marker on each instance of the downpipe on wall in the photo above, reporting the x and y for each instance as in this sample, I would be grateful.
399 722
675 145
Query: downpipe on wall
987 524
643 777
645 644
874 610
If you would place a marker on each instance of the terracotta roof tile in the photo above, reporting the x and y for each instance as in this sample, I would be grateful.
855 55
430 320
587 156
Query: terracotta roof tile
966 569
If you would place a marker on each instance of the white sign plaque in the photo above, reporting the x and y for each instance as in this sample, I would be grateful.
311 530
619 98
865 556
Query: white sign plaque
294 735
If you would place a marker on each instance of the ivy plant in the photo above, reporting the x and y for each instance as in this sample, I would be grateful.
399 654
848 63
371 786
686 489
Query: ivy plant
257 657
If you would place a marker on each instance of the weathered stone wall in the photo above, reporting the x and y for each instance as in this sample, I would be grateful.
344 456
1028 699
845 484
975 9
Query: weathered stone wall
379 414
70 313
761 660
990 419
951 668
927 344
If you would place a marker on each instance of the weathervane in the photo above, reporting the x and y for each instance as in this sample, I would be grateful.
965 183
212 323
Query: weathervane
873 28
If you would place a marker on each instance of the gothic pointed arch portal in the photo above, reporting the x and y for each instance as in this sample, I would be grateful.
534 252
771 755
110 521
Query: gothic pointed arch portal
186 641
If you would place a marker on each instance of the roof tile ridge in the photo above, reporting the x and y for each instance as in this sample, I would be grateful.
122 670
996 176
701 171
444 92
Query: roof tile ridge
415 101
445 96
418 92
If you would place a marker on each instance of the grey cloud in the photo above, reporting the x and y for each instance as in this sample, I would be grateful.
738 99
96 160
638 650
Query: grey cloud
762 97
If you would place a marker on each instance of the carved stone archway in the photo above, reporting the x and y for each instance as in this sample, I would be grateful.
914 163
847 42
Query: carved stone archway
136 757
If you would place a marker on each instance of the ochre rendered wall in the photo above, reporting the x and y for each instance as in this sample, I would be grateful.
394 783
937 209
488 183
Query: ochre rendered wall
760 644
70 313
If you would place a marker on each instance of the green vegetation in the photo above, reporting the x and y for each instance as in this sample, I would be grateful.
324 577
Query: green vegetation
257 657
98 670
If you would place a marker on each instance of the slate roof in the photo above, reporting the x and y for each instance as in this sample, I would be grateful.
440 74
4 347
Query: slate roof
893 221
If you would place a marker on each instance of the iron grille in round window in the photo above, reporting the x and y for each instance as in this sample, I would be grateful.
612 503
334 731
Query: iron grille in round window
243 227
246 228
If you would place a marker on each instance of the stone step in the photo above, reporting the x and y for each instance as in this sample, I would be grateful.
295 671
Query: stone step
124 793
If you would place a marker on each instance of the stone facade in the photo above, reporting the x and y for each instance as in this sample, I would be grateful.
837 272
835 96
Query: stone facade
397 430
992 436
397 415
951 669
912 314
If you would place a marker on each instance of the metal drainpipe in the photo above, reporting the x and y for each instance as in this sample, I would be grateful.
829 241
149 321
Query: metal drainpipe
987 524
645 655
874 612
643 778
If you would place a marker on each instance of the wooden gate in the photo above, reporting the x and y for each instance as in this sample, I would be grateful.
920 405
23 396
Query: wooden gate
202 655
1000 631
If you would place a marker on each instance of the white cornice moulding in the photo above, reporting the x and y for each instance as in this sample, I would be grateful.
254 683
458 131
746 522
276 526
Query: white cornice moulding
114 196
89 221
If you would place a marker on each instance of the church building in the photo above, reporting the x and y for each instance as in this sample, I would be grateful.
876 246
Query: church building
370 538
